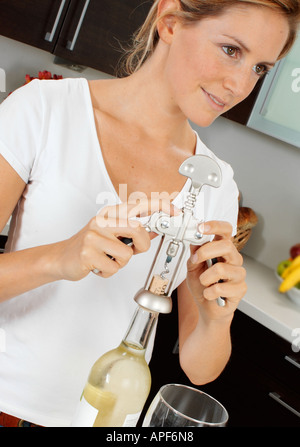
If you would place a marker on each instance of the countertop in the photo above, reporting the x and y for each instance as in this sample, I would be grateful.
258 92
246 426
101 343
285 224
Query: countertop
266 305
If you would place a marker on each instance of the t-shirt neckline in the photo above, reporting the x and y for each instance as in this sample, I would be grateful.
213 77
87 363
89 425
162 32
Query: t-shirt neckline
175 201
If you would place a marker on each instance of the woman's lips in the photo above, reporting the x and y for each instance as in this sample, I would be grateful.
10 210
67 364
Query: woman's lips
215 101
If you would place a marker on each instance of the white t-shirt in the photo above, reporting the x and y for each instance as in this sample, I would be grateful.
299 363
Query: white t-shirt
54 334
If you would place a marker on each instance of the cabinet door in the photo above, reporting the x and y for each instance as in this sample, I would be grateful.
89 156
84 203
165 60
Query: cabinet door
257 387
93 32
34 22
276 111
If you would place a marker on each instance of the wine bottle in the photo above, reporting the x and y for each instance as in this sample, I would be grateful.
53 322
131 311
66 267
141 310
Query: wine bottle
119 382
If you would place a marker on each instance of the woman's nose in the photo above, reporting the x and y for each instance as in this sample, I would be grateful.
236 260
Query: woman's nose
240 83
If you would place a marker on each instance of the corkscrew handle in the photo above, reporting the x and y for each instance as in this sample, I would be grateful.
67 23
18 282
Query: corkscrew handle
178 232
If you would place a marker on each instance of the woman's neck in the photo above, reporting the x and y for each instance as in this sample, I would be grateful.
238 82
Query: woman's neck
144 101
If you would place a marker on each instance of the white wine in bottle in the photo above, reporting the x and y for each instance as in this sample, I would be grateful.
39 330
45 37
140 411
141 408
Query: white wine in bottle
119 382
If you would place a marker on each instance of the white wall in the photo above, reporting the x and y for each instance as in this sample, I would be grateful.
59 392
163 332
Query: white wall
266 170
18 59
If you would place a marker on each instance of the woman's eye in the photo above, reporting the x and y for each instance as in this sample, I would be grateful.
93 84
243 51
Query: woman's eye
230 51
260 69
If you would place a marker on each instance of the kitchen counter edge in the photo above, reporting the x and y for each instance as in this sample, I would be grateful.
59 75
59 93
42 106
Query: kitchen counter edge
265 304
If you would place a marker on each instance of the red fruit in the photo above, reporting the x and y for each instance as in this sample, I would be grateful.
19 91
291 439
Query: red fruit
28 78
295 251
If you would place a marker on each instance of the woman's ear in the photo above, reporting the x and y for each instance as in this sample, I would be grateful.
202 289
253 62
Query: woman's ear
166 24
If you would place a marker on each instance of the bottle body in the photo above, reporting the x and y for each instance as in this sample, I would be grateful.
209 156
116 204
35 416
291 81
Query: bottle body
119 382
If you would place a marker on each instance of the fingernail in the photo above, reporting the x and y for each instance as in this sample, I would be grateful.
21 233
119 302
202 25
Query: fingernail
134 223
176 210
204 227
194 258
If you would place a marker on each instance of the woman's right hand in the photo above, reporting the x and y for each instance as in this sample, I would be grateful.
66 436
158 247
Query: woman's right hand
98 245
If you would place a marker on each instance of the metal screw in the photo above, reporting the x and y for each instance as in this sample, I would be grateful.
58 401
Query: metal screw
198 235
165 224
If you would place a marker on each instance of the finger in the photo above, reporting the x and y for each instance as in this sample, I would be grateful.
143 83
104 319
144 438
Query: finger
224 250
104 266
220 229
224 272
148 207
104 252
136 232
233 292
114 217
140 208
117 251
194 259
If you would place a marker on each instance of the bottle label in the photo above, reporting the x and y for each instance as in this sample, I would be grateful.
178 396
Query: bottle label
131 420
85 415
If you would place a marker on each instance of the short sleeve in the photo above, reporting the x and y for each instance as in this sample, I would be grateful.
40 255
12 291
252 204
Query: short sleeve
220 203
230 202
21 118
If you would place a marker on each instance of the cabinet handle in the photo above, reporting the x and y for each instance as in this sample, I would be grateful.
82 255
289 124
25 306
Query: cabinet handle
49 36
292 361
278 399
71 43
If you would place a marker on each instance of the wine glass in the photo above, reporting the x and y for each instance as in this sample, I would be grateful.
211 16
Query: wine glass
183 406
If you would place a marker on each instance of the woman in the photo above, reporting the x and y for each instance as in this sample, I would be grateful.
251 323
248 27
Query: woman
65 144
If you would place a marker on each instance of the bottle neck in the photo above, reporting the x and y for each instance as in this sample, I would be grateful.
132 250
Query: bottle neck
140 328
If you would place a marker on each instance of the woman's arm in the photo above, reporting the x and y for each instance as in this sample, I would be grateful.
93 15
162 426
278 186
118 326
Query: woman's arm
204 327
74 258
71 259
11 188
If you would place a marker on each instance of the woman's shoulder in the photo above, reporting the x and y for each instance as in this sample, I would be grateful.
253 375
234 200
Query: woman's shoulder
60 87
37 93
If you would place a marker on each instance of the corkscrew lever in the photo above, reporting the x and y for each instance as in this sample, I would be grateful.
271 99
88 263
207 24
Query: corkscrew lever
178 232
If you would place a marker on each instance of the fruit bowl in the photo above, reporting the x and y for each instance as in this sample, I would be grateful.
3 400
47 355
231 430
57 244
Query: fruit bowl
293 293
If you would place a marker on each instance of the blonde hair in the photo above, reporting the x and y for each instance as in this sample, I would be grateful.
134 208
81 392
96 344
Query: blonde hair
145 39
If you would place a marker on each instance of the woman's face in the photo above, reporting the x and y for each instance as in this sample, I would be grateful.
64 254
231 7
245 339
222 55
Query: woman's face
214 64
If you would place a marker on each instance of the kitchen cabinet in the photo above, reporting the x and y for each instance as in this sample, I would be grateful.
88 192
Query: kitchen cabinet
276 110
33 22
259 386
92 34
83 32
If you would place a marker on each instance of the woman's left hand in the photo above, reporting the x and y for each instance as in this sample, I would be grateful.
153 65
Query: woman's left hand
226 278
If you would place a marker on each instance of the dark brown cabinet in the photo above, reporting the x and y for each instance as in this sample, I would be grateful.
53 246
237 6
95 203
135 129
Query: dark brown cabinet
84 32
34 22
259 386
93 32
